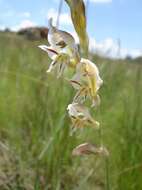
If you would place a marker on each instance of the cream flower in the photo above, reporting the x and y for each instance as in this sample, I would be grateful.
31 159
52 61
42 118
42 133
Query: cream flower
62 50
80 116
87 81
60 40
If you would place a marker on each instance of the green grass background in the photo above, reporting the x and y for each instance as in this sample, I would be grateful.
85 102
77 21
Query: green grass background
35 139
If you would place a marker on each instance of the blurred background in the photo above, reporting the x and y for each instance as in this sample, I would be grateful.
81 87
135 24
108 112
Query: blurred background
35 140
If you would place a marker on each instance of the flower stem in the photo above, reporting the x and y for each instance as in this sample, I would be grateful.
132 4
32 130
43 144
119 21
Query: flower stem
107 173
59 12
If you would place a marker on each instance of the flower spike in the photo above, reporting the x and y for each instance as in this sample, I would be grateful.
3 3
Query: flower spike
63 51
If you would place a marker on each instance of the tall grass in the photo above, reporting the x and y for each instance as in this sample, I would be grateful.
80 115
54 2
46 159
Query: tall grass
35 139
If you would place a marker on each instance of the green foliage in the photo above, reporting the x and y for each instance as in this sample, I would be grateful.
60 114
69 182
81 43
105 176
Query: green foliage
35 139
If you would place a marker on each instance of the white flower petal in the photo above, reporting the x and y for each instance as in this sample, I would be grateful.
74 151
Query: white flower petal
61 68
75 81
72 110
92 71
62 41
51 52
52 66
81 95
96 101
76 110
59 38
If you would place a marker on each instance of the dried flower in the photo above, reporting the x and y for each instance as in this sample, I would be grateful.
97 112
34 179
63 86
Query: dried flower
80 116
88 148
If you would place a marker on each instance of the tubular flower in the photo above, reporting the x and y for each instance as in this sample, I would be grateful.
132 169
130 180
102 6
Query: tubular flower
87 81
62 50
80 116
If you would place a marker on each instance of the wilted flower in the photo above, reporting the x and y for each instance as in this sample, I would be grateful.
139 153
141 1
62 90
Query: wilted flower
62 50
87 81
80 116
88 148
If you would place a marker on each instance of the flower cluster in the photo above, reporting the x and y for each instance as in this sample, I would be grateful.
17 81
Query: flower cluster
64 53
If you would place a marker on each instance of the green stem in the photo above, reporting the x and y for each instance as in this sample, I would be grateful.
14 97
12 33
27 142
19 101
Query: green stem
107 173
